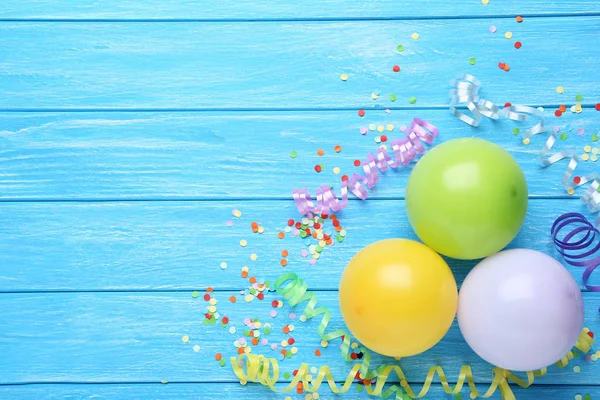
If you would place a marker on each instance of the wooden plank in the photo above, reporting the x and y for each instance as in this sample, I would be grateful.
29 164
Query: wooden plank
202 391
137 337
274 65
278 9
60 156
180 246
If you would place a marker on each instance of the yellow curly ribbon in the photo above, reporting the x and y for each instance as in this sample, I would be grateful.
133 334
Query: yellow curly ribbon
258 368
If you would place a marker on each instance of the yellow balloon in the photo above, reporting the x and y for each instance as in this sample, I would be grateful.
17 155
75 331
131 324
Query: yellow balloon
398 297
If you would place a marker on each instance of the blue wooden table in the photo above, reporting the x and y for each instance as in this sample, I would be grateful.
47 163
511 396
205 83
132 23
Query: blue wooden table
130 131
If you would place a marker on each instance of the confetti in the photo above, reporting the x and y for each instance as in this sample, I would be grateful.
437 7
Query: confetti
337 148
293 154
243 243
400 48
508 35
364 130
519 19
185 338
223 265
236 213
196 348
344 77
412 100
579 97
320 152
560 90
472 61
336 170
396 68
485 2
393 97
518 45
361 113
414 36
493 29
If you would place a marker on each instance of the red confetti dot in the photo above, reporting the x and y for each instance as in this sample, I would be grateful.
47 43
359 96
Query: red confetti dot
336 223
353 356
384 138
291 340
361 113
591 334
396 68
260 296
318 168
518 45
507 104
577 180
501 65
357 163
344 178
295 372
298 225
225 320
598 106
207 316
290 222
274 303
317 225
207 297
558 113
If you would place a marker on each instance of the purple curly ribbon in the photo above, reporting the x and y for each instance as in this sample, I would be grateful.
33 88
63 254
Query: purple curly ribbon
577 251
405 150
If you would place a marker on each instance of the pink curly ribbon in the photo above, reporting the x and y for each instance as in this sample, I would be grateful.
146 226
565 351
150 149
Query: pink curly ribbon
405 151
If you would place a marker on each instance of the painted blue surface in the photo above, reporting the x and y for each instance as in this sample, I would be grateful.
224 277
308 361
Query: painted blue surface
130 131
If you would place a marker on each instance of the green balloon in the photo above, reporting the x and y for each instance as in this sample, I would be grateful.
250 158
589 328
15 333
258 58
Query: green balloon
466 198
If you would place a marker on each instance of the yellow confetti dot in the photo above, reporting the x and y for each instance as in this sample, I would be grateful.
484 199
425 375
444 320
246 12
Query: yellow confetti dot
211 309
587 149
570 192
485 2
585 157
314 370
354 345
594 357
196 348
372 127
287 398
232 330
577 369
308 396
236 213
414 36
508 35
573 109
316 396
598 352
294 350
212 301
344 77
578 397
185 338
291 327
380 128
245 268
560 90
322 243
164 381
309 378
472 395
324 344
261 229
248 298
594 157
257 324
526 141
316 256
578 108
383 146
253 256
336 170
390 127
374 96
247 350
284 343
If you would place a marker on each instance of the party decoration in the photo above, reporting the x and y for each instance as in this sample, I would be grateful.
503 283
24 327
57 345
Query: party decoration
466 198
466 93
579 247
520 310
398 297
405 151
258 368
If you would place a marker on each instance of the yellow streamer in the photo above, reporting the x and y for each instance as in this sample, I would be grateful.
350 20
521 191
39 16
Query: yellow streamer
258 368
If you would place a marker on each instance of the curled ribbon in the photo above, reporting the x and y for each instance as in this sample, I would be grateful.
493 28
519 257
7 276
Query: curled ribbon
258 368
466 92
405 151
578 245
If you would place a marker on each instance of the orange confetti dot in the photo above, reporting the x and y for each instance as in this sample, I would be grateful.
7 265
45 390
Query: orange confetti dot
506 68
255 341
281 235
366 382
283 262
286 330
232 299
333 217
299 385
317 352
254 226
284 253
218 356
338 228
240 350
209 289
244 274
562 108
519 18
252 279
337 148
320 152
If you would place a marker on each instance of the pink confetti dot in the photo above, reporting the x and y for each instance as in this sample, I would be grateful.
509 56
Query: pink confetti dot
295 232
556 129
580 131
403 128
264 342
493 29
363 130
387 111
304 253
273 313
292 316
229 222
312 262
274 346
246 321
242 341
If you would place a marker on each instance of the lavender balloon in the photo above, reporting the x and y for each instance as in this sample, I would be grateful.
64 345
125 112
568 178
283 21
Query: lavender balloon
520 310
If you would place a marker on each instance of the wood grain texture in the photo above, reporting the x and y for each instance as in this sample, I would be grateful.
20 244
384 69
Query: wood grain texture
290 65
210 391
127 337
172 245
58 156
277 9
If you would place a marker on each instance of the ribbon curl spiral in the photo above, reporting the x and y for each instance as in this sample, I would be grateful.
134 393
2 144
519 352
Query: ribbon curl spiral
258 368
405 151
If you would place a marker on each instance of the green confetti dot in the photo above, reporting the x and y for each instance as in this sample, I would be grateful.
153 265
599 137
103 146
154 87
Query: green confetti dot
288 354
293 154
359 388
318 249
472 61
247 332
195 294
400 48
458 396
516 131
579 97
587 396
563 136
392 97
222 362
412 100
267 331
595 137
287 375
